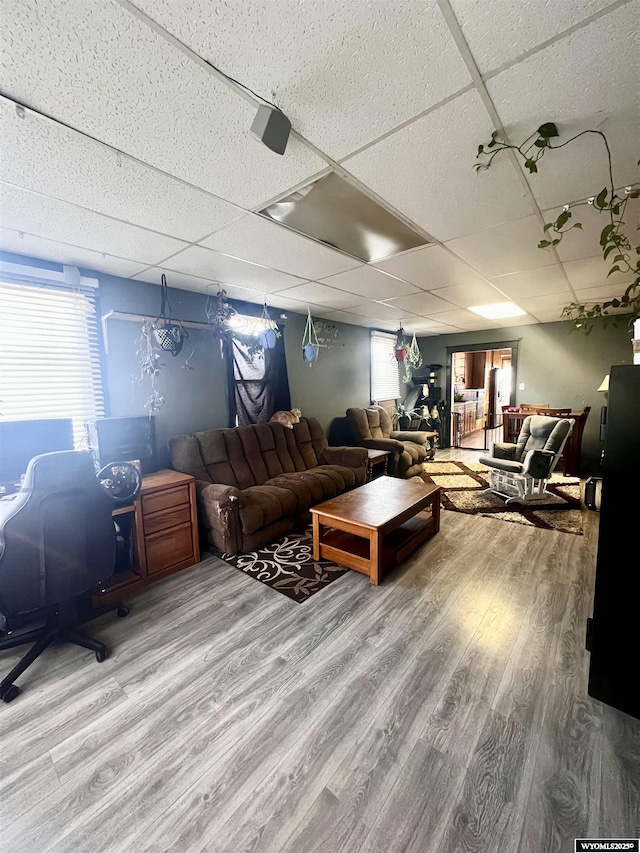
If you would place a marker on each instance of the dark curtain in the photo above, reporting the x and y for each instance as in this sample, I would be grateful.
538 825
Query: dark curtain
258 381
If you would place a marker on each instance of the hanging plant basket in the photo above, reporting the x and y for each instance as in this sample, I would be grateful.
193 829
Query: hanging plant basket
413 353
310 345
271 333
169 336
401 354
400 346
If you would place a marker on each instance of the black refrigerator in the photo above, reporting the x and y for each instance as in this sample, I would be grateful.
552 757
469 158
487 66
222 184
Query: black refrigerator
612 634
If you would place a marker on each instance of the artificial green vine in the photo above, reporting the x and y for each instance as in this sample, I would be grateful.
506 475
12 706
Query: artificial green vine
613 241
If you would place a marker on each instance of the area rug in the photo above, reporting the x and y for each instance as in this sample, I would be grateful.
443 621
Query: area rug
462 491
287 565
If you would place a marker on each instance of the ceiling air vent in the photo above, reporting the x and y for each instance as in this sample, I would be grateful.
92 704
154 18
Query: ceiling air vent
333 212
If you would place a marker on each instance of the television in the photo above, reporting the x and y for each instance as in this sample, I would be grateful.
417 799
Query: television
20 441
123 440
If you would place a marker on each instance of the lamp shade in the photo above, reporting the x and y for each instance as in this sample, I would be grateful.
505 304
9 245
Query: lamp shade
604 385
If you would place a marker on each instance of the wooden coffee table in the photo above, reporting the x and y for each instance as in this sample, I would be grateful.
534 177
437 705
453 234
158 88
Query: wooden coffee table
376 525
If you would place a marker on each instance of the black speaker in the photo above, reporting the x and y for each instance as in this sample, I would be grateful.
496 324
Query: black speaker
603 423
124 439
271 127
593 493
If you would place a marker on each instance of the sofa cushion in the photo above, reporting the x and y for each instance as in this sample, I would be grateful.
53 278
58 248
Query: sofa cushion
262 506
317 484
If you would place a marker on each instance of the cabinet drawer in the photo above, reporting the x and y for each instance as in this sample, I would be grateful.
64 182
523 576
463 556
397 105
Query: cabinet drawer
168 547
164 518
165 499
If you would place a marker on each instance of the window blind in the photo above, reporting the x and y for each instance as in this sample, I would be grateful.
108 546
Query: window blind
50 364
385 376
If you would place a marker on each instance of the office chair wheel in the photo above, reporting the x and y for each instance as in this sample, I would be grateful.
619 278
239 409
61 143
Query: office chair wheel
101 656
9 692
123 611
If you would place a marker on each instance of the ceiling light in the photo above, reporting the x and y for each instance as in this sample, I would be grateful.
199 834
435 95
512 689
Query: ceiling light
336 213
498 310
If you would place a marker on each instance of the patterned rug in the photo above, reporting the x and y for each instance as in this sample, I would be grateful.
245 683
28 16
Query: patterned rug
287 565
462 491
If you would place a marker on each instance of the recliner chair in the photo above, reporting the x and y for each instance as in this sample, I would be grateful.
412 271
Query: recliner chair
409 449
57 547
520 471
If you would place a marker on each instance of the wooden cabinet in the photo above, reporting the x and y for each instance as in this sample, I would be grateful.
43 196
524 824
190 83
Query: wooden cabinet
474 367
163 530
466 413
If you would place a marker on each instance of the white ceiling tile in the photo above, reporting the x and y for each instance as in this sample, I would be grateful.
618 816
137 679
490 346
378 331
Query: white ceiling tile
466 295
430 268
355 320
476 325
585 243
377 310
442 329
458 317
57 220
423 327
592 272
523 320
62 253
497 35
319 294
421 303
532 282
426 171
318 54
196 260
368 281
550 302
104 72
601 293
588 80
264 242
501 249
98 178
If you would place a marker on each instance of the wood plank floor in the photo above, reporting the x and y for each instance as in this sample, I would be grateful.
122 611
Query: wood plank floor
443 711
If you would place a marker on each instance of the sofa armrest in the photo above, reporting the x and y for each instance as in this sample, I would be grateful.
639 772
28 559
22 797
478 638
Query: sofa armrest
218 493
351 457
219 514
389 444
415 435
503 450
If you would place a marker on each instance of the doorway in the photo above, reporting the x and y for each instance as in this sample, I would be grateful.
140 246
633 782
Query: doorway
482 379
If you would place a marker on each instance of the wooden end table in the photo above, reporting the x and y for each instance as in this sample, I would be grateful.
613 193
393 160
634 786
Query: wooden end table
376 457
376 525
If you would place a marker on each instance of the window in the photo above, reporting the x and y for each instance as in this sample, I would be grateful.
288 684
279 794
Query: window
50 363
385 376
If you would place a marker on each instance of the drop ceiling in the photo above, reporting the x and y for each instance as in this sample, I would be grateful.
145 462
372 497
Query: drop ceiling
133 156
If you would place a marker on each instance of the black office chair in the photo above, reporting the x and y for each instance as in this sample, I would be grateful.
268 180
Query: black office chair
57 547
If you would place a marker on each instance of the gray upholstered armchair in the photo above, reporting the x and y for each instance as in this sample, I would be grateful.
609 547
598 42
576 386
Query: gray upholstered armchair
520 471
409 449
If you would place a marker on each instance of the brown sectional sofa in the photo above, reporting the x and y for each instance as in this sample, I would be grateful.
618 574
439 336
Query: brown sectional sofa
256 483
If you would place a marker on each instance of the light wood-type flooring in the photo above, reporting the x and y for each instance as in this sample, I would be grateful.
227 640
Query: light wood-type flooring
443 711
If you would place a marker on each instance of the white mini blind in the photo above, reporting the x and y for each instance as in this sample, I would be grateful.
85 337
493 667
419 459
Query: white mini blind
385 376
50 363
